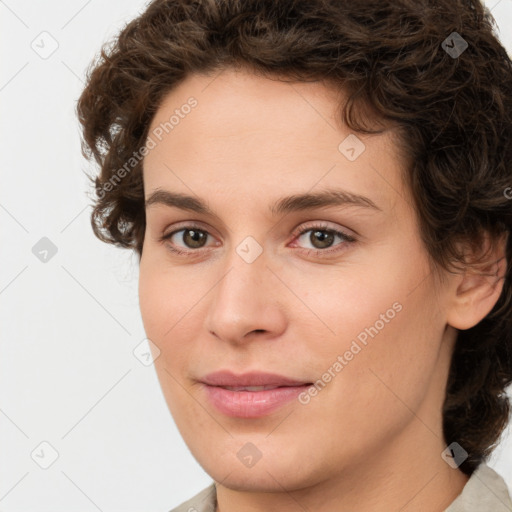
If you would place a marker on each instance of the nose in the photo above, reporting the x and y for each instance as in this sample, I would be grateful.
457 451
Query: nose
247 303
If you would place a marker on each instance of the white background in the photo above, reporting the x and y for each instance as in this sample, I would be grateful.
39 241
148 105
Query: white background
69 326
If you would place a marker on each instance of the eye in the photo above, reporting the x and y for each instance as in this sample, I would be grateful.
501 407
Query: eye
193 237
321 238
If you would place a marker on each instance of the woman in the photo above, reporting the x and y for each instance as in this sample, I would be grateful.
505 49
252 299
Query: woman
319 196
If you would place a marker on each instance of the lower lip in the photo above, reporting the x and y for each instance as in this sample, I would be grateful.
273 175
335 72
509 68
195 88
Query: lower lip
251 404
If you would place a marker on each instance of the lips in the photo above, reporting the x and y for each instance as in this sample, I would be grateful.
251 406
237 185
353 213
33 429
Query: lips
250 395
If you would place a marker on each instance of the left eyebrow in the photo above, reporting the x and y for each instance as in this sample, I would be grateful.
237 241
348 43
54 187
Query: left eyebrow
296 202
332 197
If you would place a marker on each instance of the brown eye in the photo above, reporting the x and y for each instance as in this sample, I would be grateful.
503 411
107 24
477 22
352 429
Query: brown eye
193 238
324 240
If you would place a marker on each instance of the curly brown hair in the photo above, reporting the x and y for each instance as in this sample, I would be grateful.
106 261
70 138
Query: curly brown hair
450 95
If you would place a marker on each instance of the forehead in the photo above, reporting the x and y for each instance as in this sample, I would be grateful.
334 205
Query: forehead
238 103
230 88
237 129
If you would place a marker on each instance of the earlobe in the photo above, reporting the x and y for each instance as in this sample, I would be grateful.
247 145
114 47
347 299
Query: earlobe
477 291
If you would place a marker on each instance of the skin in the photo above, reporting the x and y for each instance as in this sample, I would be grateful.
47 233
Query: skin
371 440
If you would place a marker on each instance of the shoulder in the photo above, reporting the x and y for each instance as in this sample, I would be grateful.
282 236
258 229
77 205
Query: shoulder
204 501
484 491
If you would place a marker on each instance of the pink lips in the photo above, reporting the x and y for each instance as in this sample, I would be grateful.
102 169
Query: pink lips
267 392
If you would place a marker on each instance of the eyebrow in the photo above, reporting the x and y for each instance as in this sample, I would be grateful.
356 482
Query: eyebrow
296 202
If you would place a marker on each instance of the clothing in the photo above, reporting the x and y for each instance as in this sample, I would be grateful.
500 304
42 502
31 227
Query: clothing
205 501
485 491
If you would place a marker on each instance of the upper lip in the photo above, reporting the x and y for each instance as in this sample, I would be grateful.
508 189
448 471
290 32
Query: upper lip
228 378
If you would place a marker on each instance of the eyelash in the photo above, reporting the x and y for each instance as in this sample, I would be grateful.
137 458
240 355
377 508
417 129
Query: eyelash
348 239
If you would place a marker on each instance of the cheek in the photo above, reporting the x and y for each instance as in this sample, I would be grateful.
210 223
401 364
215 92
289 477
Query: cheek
165 296
380 321
170 300
164 303
153 301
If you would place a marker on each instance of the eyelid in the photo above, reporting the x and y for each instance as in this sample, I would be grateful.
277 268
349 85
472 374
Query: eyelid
188 224
324 226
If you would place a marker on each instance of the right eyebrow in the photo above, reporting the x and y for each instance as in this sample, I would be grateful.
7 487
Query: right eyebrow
178 200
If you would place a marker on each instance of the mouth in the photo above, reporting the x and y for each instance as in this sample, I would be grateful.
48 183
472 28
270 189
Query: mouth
250 395
228 379
249 388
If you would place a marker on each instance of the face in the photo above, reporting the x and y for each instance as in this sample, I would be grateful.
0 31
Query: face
334 298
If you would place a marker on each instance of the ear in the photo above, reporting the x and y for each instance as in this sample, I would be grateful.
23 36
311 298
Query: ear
477 290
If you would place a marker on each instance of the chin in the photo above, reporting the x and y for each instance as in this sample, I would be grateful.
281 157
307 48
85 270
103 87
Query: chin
263 479
269 474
